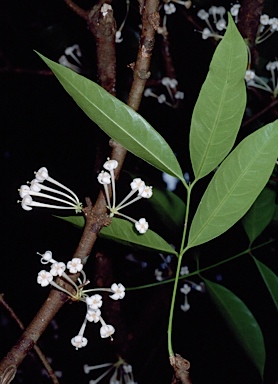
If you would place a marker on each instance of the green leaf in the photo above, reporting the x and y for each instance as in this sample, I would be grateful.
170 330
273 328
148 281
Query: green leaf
220 106
241 322
118 120
235 185
260 214
270 280
77 221
123 231
169 208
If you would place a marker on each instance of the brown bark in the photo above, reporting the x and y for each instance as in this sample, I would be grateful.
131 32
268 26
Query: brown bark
150 23
248 23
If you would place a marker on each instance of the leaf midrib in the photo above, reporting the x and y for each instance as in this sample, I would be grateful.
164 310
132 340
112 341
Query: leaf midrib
120 127
228 194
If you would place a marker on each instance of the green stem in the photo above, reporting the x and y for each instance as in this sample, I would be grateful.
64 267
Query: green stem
171 315
182 251
198 271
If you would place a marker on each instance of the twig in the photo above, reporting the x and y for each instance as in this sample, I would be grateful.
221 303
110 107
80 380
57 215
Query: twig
38 351
260 113
150 23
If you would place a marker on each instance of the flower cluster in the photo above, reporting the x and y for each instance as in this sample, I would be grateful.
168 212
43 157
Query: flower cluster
71 57
269 85
216 15
169 7
171 87
137 186
268 25
164 271
27 193
186 289
93 302
121 372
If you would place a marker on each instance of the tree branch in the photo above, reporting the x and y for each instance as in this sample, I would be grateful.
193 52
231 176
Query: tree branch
150 23
95 215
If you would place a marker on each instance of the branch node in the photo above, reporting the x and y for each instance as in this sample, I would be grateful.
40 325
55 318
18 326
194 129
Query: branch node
181 367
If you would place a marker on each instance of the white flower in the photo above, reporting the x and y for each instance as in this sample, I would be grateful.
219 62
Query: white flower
75 265
184 270
109 165
107 331
104 178
179 95
185 307
24 190
46 257
142 225
138 184
249 75
221 11
173 83
148 92
27 202
221 24
235 9
206 33
57 269
274 23
44 278
147 192
202 14
185 289
158 274
166 81
35 185
93 315
127 368
118 37
161 99
169 8
119 290
79 341
170 181
94 302
42 174
272 65
213 10
264 19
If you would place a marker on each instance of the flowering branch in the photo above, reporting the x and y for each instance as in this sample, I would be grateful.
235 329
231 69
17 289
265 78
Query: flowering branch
95 216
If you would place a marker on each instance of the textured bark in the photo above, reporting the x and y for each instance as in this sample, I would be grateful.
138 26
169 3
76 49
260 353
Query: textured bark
249 21
150 23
